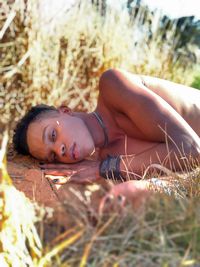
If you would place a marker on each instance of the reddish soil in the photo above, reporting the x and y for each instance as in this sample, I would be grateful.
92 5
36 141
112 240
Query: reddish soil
27 177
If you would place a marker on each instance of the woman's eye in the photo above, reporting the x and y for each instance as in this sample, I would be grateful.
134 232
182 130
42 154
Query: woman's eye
53 136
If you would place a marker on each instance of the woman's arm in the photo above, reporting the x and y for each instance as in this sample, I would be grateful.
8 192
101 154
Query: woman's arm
155 118
158 159
138 192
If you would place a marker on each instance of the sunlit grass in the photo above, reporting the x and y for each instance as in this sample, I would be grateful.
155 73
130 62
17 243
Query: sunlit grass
19 241
62 62
56 62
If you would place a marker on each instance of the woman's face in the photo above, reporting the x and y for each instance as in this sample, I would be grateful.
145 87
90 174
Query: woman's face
59 137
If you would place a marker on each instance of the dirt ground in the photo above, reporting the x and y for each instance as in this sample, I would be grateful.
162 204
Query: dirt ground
28 178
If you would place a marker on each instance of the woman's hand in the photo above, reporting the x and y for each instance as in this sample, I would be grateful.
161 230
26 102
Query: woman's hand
134 192
86 171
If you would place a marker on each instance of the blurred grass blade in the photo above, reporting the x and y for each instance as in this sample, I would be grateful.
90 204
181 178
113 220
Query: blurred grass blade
45 260
5 178
89 246
7 23
19 242
188 263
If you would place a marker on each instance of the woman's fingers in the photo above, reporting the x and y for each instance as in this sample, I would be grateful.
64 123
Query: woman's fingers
105 201
60 180
59 172
64 176
54 166
79 180
83 163
112 202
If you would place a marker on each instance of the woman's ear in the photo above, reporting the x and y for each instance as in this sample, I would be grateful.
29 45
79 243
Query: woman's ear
65 109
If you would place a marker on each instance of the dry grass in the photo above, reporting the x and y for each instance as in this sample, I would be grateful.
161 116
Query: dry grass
56 61
19 241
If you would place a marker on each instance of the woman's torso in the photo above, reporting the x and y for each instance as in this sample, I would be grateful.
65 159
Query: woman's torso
122 131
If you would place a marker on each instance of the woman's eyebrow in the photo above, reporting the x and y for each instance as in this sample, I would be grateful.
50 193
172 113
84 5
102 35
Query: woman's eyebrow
44 134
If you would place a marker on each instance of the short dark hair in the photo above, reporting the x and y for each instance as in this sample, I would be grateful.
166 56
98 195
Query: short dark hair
20 132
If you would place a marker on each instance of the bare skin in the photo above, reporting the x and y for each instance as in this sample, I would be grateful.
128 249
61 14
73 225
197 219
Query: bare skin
149 119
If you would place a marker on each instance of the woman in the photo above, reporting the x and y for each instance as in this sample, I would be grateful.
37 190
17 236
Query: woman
138 121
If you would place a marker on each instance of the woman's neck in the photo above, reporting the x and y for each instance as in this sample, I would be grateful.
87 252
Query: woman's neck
95 128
